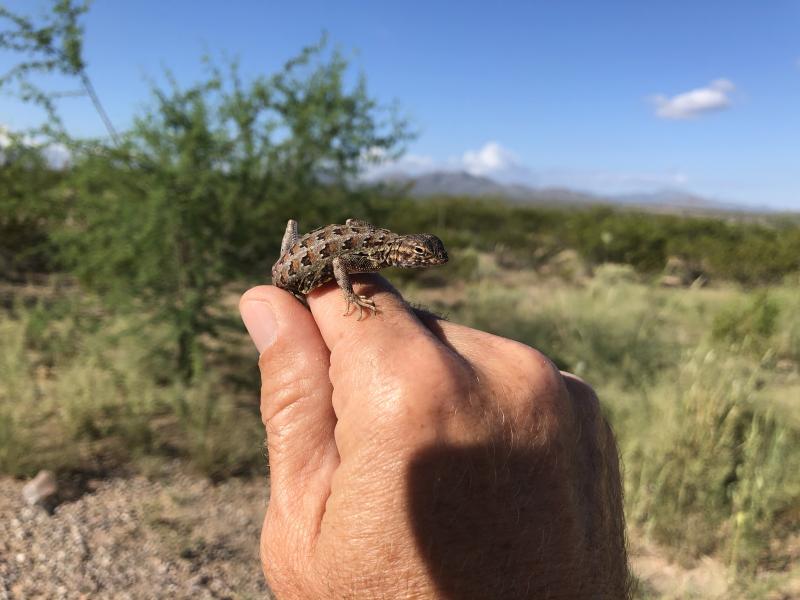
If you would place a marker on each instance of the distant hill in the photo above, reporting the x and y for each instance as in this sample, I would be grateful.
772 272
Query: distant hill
461 183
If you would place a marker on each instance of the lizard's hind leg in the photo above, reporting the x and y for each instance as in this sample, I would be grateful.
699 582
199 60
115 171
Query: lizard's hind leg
290 237
342 276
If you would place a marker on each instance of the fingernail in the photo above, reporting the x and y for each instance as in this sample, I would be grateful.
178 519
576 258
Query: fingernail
260 322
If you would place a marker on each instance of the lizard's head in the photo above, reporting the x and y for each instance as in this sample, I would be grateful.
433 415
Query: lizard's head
419 250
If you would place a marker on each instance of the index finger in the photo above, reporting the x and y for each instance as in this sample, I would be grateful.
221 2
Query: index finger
386 333
390 374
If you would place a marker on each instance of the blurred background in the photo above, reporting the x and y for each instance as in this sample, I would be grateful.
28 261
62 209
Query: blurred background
617 183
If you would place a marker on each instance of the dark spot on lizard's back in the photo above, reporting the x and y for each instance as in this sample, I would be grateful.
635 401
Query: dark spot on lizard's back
327 250
348 243
327 273
322 235
337 231
306 260
335 246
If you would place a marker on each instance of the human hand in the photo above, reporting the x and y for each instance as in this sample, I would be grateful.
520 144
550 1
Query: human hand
413 457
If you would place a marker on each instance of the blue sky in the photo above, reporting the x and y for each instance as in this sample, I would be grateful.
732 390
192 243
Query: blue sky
605 96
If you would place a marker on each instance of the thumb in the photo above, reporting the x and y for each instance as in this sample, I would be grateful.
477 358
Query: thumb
295 403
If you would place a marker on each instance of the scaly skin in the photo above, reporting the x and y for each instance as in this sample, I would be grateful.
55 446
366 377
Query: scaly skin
338 251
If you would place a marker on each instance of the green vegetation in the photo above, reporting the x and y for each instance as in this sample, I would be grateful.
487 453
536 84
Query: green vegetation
198 190
27 205
161 217
745 249
85 390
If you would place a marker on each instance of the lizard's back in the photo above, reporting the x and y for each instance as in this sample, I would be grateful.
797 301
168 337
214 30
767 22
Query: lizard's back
308 263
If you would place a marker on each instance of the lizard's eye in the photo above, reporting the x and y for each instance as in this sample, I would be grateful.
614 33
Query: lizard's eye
419 250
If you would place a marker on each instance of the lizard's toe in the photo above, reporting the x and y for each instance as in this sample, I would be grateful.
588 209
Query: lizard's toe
361 302
347 307
364 302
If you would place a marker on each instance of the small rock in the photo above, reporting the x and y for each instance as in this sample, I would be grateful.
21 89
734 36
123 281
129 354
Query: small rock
199 581
41 490
671 281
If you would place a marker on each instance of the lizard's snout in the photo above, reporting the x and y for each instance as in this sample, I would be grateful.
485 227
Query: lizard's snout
436 250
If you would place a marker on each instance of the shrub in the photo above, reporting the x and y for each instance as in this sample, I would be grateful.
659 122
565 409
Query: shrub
707 469
747 326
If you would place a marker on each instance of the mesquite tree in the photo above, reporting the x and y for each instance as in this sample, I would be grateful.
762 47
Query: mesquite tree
197 192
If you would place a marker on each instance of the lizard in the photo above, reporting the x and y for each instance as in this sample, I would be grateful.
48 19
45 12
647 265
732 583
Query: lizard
338 251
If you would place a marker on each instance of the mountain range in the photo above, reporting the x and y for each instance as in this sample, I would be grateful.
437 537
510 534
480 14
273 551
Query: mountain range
463 184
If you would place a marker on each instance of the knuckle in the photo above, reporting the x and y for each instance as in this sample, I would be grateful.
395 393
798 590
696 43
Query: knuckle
286 378
585 401
430 366
533 370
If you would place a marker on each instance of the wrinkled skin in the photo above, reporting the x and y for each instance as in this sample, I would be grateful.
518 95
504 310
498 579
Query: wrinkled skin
413 457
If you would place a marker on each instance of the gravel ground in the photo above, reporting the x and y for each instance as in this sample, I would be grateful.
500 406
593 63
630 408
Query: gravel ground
177 536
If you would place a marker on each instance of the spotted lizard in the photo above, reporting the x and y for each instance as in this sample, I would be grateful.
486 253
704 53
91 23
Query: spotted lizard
338 251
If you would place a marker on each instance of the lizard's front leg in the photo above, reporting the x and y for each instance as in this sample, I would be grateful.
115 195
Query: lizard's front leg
342 275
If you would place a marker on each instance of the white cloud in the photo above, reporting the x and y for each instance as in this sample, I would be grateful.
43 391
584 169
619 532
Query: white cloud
56 154
491 159
5 140
711 98
417 162
408 164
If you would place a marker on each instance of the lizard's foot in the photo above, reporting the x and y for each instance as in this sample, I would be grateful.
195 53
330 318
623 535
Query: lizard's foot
361 302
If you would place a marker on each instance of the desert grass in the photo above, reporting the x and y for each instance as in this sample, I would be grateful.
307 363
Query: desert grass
96 393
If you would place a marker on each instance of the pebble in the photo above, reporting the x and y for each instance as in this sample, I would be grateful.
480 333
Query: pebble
41 490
